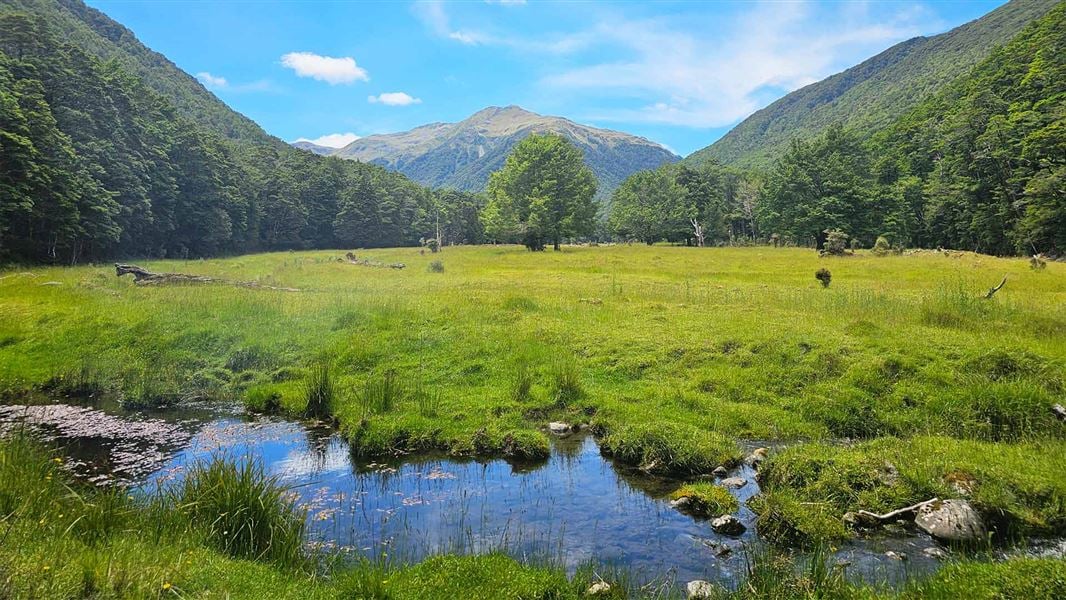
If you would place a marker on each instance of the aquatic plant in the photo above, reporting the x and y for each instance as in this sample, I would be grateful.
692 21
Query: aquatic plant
319 392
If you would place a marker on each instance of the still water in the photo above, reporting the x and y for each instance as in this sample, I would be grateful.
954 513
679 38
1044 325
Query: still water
573 508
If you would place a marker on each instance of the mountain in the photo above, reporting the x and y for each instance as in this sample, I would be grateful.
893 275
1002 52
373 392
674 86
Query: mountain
314 148
872 94
462 155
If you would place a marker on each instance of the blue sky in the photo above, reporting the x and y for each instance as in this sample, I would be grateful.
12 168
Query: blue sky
679 73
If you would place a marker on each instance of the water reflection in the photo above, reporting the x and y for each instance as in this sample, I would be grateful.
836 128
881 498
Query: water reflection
574 507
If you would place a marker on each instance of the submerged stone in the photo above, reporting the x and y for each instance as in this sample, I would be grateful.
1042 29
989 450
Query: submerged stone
728 525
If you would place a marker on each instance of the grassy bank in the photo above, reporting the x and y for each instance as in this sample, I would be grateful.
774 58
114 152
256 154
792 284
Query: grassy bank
671 354
216 537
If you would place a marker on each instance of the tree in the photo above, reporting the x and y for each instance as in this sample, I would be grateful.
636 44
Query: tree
544 193
651 206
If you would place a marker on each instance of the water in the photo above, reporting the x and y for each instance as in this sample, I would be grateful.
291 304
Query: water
573 508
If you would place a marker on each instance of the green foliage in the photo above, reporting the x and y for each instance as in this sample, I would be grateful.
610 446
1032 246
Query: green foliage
873 94
707 499
823 276
243 511
380 394
436 267
319 392
543 194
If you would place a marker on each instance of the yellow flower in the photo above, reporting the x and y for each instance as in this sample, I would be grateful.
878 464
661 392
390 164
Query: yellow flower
45 568
57 460
167 586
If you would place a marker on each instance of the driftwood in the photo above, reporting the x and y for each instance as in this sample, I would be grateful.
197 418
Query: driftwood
142 276
992 291
353 260
869 517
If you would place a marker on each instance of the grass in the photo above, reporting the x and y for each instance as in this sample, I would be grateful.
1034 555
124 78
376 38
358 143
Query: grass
672 354
707 499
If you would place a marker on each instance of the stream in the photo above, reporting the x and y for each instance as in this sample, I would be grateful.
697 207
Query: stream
573 508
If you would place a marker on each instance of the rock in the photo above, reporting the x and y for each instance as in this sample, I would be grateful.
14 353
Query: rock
734 482
700 590
719 472
888 474
934 552
1060 411
682 502
896 555
855 520
728 525
559 428
951 521
600 588
962 483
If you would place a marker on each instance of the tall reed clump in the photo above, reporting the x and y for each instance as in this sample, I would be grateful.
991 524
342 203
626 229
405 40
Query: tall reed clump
243 511
320 393
522 384
380 394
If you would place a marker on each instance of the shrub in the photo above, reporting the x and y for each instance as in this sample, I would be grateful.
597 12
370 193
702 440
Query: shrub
319 392
882 247
824 276
836 242
242 511
436 267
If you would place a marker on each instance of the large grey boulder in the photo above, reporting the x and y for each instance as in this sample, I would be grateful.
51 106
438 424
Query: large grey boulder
951 521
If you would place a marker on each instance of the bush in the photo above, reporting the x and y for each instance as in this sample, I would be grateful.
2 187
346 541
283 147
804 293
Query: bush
836 242
242 511
436 267
824 276
882 247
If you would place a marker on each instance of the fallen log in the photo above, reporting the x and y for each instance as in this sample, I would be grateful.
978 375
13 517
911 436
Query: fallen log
352 259
142 276
868 517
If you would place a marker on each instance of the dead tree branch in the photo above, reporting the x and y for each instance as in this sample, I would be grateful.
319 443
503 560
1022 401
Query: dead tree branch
142 276
893 515
352 259
992 291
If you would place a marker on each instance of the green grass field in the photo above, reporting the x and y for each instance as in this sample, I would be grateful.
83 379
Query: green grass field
671 354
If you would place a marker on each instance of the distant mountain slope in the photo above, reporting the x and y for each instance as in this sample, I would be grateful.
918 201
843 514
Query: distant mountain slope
462 155
313 147
872 94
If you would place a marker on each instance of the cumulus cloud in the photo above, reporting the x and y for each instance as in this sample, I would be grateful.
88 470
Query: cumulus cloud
393 99
211 81
332 140
325 68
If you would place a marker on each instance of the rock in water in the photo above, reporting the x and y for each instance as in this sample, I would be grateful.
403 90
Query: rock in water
600 588
558 428
720 472
728 525
734 482
700 590
934 552
951 521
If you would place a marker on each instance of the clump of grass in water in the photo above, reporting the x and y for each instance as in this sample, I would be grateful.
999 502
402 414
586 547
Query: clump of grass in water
243 511
320 393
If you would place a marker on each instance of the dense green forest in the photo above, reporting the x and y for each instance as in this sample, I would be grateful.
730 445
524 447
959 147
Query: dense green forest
872 94
97 164
981 166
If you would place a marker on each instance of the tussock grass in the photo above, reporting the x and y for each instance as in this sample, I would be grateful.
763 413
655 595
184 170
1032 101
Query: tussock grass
319 392
707 499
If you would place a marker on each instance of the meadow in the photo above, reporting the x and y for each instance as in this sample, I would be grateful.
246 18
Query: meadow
672 356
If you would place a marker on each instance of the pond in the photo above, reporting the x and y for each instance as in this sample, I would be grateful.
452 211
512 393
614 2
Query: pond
573 508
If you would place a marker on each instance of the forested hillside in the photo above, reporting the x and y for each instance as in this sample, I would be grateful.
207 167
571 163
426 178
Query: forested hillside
874 93
97 163
979 166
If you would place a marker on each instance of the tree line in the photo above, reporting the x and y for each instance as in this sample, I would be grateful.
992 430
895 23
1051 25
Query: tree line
93 164
979 166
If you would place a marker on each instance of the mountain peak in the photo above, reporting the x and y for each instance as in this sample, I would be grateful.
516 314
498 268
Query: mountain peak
462 155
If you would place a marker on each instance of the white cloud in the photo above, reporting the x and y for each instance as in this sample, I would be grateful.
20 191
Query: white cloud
211 81
393 99
332 140
431 12
325 68
675 74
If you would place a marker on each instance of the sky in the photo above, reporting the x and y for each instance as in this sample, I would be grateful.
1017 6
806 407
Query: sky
678 73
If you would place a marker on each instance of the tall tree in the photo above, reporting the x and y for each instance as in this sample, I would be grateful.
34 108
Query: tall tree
543 194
